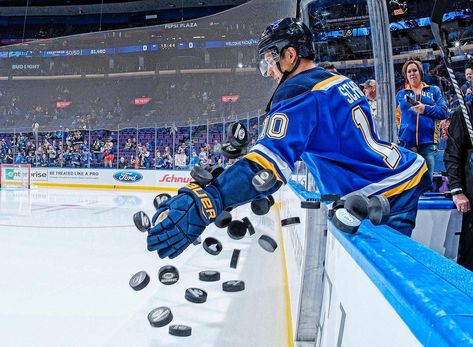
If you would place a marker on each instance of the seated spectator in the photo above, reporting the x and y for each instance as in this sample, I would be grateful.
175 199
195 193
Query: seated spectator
86 158
122 164
44 161
180 160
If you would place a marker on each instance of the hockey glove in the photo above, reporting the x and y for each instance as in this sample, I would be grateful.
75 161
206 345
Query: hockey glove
188 213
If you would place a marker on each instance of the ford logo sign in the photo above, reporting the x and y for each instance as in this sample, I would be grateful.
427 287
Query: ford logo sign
128 176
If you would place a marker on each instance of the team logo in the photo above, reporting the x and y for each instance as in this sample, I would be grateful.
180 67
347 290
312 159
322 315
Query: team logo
128 176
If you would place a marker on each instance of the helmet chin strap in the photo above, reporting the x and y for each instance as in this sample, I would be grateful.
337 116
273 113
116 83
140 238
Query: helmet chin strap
285 74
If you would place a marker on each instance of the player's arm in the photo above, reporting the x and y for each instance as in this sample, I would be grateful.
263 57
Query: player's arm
283 139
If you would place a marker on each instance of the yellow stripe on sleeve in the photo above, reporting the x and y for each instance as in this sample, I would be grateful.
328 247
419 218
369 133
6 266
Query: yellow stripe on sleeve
320 85
263 162
407 185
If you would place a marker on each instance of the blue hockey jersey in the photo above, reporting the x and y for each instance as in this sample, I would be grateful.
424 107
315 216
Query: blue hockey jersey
325 119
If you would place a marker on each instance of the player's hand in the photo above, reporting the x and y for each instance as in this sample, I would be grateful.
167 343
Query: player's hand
188 213
461 202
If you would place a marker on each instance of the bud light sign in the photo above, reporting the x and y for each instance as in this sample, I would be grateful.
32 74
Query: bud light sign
128 176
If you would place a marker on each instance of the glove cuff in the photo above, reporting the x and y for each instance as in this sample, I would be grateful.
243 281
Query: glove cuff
207 199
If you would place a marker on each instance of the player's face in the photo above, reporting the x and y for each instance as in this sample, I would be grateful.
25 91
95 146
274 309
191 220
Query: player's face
413 74
268 65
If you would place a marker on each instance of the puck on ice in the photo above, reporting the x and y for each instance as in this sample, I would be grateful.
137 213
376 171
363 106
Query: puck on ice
196 295
209 276
160 317
249 225
233 286
168 275
139 280
180 330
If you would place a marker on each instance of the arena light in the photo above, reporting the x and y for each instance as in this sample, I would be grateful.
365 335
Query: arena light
457 43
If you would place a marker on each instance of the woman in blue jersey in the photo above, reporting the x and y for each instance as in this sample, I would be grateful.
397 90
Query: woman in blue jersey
321 117
420 108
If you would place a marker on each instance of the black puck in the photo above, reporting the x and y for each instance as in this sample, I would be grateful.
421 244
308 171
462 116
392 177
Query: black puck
249 225
212 246
238 135
216 171
196 295
209 276
289 221
236 229
264 180
160 198
180 330
311 205
233 286
335 206
345 221
357 205
142 221
160 317
234 259
267 243
200 175
168 275
223 219
271 200
378 209
139 280
230 152
261 206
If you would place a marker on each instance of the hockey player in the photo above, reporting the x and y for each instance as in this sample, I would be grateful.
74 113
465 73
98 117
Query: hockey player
316 115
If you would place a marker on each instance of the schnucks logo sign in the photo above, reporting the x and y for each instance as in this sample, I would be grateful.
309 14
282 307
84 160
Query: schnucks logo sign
128 176
175 179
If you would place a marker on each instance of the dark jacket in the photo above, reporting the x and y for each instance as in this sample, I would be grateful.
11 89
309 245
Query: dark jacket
458 155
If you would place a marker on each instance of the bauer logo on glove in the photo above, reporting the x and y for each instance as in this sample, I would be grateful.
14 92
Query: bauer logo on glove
208 210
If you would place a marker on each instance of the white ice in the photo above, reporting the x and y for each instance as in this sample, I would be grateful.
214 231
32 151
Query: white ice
66 256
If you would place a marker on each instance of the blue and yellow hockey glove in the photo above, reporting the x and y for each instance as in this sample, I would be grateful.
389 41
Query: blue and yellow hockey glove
182 218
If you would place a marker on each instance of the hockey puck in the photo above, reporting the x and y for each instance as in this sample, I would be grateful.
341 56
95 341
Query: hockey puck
196 295
223 220
271 200
261 206
139 280
264 180
345 221
357 205
233 286
267 243
209 276
289 221
329 197
378 209
168 275
212 246
234 259
200 175
236 229
216 171
249 226
311 205
230 152
180 330
142 221
238 135
160 317
160 198
335 206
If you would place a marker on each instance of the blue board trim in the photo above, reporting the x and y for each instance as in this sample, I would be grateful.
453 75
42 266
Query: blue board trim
431 294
